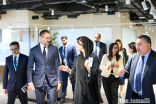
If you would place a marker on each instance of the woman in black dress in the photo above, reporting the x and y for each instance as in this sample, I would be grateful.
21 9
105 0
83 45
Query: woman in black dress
86 88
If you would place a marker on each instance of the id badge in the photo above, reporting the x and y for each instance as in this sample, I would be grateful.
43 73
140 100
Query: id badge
91 63
64 61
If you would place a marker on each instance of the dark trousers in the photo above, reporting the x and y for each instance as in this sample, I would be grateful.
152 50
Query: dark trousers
136 96
41 93
111 85
13 94
65 84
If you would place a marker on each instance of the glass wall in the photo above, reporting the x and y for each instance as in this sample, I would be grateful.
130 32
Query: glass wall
131 34
27 39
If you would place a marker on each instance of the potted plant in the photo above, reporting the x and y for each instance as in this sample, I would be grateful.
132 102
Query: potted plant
54 36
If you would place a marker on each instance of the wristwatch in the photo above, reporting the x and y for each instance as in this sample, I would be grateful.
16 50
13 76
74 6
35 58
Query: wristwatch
69 71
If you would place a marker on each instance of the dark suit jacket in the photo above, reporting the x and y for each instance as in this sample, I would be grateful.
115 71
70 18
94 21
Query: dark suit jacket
20 76
149 76
71 55
50 68
103 50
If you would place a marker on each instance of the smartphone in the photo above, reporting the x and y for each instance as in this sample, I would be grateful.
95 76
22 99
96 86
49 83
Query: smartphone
91 63
112 64
24 89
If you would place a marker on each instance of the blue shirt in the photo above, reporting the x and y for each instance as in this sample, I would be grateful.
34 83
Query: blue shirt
98 48
138 65
64 55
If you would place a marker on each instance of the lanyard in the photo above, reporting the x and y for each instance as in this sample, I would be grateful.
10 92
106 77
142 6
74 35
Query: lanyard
64 55
16 64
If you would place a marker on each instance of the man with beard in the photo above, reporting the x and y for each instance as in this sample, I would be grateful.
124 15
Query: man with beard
100 49
16 67
141 71
46 77
68 55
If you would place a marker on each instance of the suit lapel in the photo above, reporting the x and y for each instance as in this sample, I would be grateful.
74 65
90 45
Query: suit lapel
11 63
134 64
148 63
68 49
49 52
40 53
61 51
100 48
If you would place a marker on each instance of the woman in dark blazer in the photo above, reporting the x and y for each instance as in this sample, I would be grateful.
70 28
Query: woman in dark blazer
123 53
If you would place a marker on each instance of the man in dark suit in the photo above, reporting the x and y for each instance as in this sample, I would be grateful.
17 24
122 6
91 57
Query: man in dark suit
141 71
46 77
99 50
16 66
68 54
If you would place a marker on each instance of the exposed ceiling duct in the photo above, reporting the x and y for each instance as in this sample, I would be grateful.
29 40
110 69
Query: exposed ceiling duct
53 9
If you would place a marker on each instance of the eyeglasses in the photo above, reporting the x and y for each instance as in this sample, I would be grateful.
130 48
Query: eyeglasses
13 49
47 38
116 48
139 44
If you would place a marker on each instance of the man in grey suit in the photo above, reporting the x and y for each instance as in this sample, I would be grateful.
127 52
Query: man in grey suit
99 50
46 77
141 71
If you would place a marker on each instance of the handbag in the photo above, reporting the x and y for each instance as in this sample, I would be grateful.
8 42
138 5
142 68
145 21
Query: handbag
72 78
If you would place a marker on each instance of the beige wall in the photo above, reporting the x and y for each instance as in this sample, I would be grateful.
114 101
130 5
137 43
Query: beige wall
21 19
140 30
24 18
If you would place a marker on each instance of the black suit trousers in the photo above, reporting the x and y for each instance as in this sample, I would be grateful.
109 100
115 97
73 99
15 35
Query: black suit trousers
12 95
111 85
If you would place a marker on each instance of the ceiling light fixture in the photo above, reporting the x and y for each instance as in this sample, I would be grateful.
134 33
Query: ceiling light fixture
106 7
141 17
151 10
4 2
72 28
52 12
91 16
145 27
144 5
118 14
36 28
106 28
48 28
81 1
128 2
130 26
151 20
154 14
9 25
94 26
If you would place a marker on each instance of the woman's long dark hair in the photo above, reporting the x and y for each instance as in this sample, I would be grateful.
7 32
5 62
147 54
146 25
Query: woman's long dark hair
110 55
121 48
132 46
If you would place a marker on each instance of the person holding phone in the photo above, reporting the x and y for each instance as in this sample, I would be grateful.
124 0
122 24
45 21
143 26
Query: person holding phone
109 66
16 68
86 71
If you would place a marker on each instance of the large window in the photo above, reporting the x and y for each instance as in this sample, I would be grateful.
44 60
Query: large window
27 39
128 36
